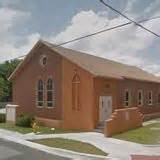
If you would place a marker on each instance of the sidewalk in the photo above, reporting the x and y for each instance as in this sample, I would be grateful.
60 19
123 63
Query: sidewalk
55 151
118 149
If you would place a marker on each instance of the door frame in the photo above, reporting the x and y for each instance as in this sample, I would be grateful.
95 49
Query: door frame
109 108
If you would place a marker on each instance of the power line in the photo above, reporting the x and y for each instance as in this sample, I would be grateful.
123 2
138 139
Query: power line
136 23
95 33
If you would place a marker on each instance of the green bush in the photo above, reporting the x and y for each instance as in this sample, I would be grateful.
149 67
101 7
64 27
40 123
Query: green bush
2 118
24 120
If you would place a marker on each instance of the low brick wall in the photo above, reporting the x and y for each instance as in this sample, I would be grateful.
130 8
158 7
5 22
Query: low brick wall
49 122
149 110
151 116
123 120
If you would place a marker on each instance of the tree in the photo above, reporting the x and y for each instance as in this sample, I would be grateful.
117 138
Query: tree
6 69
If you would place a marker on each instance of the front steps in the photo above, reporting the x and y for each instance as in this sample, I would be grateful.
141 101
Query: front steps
100 127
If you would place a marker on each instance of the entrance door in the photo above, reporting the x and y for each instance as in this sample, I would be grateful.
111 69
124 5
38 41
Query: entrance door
105 107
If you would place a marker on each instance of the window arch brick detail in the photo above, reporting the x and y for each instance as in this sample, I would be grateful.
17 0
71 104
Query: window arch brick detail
76 92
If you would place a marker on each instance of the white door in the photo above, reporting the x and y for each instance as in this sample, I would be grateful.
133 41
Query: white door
105 107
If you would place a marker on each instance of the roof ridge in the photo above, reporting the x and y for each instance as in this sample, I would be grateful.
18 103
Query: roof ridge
128 68
87 53
97 66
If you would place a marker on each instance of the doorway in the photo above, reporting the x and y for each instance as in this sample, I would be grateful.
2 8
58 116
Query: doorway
105 108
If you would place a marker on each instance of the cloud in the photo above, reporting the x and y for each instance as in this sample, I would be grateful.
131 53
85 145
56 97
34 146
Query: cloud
10 18
130 44
5 3
9 50
82 23
125 45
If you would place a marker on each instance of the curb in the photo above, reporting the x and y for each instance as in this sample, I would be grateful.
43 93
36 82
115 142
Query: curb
56 151
151 145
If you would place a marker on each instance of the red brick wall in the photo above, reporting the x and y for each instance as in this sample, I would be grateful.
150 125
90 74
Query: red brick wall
134 86
116 88
149 110
104 87
24 85
82 118
62 71
123 120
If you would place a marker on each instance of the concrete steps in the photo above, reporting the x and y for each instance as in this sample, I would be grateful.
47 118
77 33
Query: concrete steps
100 127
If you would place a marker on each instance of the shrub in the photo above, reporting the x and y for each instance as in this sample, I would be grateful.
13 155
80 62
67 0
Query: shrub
24 120
2 118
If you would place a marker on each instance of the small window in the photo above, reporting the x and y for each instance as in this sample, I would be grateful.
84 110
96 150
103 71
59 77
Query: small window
150 98
140 98
43 60
50 93
127 98
40 93
159 98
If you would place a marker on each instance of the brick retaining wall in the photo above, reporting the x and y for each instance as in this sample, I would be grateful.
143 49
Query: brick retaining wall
123 120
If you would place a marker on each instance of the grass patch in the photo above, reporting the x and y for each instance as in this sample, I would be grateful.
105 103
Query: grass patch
149 134
72 145
42 129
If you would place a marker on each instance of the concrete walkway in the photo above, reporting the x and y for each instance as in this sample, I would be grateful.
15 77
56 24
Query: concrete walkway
151 122
55 151
117 149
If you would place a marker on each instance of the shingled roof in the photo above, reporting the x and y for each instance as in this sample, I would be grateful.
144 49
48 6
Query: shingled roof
101 67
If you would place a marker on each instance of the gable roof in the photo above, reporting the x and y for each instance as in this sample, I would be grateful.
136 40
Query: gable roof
99 67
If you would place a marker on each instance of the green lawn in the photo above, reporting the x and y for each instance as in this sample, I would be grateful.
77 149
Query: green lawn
149 134
73 145
42 129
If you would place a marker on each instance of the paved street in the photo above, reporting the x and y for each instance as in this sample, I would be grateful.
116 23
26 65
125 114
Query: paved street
13 151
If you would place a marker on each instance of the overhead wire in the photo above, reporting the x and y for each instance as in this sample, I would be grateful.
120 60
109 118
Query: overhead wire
93 34
130 19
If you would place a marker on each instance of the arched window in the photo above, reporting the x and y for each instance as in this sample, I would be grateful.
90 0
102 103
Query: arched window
140 97
43 60
40 93
150 98
50 93
127 98
76 92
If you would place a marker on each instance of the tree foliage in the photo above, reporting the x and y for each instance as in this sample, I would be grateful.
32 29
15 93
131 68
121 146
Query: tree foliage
6 69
